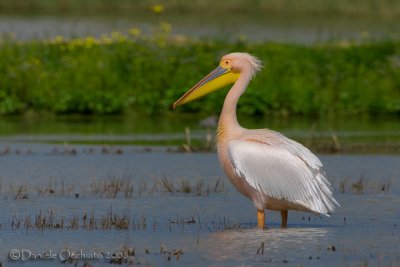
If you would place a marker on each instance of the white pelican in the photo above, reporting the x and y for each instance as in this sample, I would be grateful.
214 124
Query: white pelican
275 172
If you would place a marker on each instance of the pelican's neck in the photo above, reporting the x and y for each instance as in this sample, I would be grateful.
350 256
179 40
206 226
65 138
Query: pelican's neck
228 119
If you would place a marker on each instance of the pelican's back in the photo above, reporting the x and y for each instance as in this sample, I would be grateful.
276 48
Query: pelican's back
281 169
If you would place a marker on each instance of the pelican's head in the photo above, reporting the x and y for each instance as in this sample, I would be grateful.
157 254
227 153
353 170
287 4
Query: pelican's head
226 73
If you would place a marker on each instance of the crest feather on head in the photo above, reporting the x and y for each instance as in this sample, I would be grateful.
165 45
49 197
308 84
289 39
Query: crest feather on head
255 63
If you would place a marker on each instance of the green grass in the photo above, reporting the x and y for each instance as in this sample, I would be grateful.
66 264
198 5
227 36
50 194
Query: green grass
369 8
121 73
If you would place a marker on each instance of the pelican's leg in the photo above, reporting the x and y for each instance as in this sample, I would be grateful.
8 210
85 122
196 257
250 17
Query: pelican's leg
284 214
261 218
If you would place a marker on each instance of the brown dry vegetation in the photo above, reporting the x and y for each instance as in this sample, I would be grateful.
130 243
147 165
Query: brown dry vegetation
114 187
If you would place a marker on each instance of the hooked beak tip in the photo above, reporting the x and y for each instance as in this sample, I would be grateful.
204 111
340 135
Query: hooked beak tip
194 93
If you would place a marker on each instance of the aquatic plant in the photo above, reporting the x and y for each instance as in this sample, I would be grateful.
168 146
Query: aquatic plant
363 186
49 220
124 72
115 187
121 221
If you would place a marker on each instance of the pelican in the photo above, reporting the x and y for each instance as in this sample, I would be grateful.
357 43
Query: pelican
273 171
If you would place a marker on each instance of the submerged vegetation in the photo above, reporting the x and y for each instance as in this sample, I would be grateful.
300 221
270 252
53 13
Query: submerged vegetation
110 220
119 73
125 188
115 187
363 186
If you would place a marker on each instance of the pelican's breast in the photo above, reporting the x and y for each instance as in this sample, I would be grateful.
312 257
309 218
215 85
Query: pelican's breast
223 137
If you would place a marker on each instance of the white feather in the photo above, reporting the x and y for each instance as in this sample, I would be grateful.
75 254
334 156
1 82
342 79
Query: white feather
281 168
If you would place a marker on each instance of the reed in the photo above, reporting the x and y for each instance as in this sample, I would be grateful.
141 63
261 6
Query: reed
363 186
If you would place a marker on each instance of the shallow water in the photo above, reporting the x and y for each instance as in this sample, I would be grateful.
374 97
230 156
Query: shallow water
213 230
252 28
140 127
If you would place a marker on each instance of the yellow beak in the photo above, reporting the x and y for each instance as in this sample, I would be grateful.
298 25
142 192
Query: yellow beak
217 79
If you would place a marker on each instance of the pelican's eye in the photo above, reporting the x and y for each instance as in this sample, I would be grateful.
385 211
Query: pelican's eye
226 63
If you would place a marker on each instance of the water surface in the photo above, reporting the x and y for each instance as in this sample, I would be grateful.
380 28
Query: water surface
238 26
215 229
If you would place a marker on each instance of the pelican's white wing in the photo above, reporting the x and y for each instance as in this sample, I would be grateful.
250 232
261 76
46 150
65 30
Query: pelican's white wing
283 169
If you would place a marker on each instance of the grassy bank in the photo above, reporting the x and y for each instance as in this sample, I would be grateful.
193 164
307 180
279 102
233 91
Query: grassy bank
124 72
360 8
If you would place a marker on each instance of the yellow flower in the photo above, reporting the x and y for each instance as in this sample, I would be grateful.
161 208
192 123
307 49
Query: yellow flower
135 32
58 39
91 41
78 42
165 27
105 39
157 9
117 36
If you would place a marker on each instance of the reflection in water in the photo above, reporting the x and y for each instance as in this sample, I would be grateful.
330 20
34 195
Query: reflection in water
243 244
